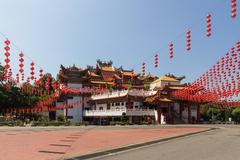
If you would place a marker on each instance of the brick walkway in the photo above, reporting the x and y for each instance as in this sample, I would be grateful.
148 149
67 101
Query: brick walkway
48 144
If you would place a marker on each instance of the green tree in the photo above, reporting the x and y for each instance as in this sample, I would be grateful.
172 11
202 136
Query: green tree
214 112
12 97
236 114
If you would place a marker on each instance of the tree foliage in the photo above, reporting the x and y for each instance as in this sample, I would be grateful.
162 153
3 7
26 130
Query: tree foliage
12 97
215 112
236 114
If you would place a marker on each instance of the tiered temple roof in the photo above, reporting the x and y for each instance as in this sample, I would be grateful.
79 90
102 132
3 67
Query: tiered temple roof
103 75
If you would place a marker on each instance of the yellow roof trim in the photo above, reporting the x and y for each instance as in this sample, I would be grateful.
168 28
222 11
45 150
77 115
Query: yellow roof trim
176 87
166 78
165 100
100 82
107 68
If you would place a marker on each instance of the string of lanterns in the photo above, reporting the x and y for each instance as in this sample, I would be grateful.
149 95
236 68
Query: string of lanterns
208 30
219 84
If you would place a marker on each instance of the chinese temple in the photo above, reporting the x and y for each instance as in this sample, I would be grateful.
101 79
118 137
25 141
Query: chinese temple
103 75
126 94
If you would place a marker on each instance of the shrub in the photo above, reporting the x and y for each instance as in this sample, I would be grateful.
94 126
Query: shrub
112 123
61 118
76 123
43 118
236 114
85 123
2 119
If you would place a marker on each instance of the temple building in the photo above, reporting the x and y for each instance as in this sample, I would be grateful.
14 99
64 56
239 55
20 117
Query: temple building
156 103
126 94
104 75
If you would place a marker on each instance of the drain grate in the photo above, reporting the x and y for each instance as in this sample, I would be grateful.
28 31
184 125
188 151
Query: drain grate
61 145
76 135
65 140
72 137
52 152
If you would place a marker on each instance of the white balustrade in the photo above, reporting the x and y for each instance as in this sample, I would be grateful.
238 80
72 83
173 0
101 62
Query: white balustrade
119 112
115 94
140 112
112 112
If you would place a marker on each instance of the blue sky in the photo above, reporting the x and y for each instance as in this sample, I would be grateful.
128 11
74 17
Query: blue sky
126 31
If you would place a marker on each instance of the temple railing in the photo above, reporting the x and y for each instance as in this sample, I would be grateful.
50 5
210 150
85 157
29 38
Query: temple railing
119 112
122 93
113 94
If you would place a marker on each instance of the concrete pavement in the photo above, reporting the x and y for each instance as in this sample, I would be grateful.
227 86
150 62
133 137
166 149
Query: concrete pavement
45 143
219 144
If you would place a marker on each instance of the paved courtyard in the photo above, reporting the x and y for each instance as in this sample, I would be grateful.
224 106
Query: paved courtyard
60 142
219 144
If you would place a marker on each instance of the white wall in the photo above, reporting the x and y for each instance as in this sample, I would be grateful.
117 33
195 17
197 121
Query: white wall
76 112
104 106
162 84
137 104
122 105
75 85
60 112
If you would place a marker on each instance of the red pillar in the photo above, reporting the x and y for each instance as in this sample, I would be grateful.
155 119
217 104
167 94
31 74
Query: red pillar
189 115
159 112
198 113
180 110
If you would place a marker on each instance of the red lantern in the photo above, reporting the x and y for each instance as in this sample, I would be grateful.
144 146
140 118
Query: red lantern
21 65
23 77
156 60
171 50
47 83
234 8
238 47
28 80
32 71
54 84
188 36
7 60
17 78
143 68
40 77
9 74
209 26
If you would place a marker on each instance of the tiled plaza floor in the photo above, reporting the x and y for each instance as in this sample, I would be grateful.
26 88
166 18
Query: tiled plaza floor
45 144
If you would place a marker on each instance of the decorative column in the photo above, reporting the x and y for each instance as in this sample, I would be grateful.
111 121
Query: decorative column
189 115
159 113
198 113
180 110
172 113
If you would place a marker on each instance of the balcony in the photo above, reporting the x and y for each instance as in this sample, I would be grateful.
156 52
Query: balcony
115 94
118 112
140 112
141 93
